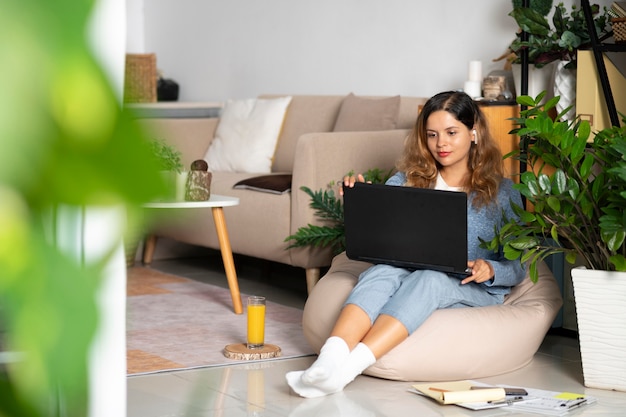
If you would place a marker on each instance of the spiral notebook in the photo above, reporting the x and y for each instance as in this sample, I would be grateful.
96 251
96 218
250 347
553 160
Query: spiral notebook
408 227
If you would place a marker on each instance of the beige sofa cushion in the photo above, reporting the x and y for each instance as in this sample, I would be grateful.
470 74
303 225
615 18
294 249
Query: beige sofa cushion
306 114
461 343
367 114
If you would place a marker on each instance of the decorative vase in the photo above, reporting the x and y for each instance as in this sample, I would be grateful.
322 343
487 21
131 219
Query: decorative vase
198 186
601 307
565 87
539 79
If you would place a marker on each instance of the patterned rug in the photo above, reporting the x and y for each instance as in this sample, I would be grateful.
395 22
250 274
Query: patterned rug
176 323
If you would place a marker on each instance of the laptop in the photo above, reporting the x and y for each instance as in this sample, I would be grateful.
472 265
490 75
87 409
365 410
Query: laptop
408 227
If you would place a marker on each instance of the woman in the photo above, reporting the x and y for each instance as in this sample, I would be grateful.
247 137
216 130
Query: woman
450 148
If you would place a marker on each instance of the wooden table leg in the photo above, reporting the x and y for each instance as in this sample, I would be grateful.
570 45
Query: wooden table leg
227 258
148 249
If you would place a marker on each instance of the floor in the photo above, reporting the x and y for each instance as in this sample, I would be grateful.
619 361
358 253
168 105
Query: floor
259 389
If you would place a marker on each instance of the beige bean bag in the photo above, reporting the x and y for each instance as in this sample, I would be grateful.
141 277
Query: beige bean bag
460 343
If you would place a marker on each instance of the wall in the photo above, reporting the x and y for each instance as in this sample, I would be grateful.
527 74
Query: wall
241 48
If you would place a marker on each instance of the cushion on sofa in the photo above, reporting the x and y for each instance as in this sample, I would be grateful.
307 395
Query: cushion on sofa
459 343
272 183
367 114
246 136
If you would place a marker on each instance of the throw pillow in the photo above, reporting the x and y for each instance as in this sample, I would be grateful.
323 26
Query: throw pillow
275 184
367 114
246 135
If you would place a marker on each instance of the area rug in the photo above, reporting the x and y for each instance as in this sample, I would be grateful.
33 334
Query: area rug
177 323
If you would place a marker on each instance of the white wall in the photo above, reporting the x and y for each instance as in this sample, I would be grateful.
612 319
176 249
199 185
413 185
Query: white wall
135 39
218 50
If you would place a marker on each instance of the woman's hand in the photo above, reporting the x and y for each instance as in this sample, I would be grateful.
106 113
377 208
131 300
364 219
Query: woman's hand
349 181
481 271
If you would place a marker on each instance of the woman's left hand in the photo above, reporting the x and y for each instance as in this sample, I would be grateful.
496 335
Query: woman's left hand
481 271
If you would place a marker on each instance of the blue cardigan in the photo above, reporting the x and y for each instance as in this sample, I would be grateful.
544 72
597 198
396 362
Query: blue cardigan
480 223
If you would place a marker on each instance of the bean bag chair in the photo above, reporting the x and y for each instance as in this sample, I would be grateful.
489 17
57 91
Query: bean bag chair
459 343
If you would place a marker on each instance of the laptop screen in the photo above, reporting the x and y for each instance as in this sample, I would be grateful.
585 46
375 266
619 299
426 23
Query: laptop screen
408 227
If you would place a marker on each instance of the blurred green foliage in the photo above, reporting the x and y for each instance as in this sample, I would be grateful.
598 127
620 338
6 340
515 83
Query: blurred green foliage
65 142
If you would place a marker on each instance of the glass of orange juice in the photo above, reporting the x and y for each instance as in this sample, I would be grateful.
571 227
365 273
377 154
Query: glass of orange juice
256 322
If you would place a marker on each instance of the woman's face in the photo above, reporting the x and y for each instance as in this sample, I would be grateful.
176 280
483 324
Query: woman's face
449 140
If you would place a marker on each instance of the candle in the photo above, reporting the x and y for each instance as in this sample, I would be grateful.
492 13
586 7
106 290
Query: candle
475 71
256 322
472 89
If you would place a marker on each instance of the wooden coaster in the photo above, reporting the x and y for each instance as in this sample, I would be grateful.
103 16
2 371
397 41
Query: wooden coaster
241 352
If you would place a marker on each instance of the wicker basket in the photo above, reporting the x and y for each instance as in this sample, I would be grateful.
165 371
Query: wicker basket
140 78
619 29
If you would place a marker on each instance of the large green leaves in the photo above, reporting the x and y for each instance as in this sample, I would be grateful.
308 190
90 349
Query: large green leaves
575 188
65 141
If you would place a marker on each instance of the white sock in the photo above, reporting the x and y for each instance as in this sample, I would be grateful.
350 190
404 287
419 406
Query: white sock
332 356
359 360
294 379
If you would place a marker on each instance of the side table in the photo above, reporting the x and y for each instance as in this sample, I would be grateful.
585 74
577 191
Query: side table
217 204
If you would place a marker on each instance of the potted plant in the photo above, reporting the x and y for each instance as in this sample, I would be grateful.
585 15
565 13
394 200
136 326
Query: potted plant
167 157
169 161
554 40
558 41
576 184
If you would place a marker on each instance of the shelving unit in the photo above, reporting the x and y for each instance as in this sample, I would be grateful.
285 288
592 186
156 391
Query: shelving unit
599 48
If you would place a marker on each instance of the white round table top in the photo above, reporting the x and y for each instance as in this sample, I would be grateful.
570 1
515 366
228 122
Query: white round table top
214 200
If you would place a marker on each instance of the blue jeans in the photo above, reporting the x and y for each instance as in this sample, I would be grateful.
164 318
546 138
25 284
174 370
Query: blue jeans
412 296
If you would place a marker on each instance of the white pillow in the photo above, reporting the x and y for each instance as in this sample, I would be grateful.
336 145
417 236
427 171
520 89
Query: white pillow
246 136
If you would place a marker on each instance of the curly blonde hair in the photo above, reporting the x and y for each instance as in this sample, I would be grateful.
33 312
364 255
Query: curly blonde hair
485 165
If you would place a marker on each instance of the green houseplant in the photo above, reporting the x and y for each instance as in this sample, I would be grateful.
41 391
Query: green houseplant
555 40
329 208
576 183
66 143
172 173
167 157
577 190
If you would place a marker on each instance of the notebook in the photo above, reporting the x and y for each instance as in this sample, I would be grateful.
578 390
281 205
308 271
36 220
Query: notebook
408 227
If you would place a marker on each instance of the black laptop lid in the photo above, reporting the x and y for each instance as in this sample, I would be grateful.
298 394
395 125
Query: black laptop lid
408 227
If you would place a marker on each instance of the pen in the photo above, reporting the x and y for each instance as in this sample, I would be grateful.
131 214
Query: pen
507 402
437 389
578 403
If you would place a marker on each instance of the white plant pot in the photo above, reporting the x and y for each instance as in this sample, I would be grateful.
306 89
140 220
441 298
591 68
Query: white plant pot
539 79
601 311
565 87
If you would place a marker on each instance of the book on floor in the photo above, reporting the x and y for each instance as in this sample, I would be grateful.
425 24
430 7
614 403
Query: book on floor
479 396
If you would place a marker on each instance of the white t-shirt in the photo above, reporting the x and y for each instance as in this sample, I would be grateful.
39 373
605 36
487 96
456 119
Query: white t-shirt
441 185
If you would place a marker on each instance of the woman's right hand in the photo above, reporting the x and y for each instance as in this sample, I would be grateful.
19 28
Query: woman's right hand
350 180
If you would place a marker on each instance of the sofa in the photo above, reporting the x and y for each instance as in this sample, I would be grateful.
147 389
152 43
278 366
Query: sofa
322 138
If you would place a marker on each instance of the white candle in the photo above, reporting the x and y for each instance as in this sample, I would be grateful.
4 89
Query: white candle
475 71
473 88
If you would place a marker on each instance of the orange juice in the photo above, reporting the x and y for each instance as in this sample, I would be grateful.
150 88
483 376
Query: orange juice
256 325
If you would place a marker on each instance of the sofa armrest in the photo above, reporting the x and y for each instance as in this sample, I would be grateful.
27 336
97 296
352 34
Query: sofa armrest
324 157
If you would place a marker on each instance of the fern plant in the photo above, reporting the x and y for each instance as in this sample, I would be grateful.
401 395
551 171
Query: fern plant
168 157
329 208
